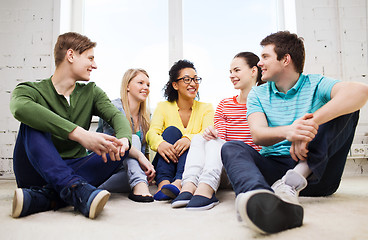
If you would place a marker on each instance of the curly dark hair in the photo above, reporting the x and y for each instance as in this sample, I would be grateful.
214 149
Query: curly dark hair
287 43
170 93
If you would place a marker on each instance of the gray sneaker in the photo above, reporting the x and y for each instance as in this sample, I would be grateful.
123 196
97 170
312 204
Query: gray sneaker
265 212
289 186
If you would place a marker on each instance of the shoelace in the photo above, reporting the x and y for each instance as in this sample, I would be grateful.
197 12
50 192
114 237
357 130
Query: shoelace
282 187
77 199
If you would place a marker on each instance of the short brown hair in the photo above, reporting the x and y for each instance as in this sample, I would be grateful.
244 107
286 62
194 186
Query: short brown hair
287 43
71 40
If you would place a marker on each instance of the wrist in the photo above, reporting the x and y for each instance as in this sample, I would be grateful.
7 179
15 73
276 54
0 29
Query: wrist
76 134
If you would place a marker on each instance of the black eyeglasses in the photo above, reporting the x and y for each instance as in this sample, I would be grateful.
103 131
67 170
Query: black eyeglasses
188 80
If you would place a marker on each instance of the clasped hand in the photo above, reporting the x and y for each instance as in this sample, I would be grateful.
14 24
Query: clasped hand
300 133
173 151
101 143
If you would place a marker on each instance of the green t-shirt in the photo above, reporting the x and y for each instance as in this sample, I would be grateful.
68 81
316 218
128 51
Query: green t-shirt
38 105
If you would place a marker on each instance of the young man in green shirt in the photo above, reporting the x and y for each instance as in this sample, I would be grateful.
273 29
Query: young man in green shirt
51 164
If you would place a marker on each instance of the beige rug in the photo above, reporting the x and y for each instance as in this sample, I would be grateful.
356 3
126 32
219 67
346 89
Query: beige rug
341 216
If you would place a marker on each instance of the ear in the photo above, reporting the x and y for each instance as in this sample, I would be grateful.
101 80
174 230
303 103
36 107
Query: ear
70 55
287 59
254 70
175 85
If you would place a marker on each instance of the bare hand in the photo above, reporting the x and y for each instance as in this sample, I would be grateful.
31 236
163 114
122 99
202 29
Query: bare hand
299 150
148 168
210 133
168 152
124 146
99 143
302 129
182 145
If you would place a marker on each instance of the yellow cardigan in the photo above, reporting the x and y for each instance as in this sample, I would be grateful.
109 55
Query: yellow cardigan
167 114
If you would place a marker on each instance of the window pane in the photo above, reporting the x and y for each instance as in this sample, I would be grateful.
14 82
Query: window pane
129 34
214 31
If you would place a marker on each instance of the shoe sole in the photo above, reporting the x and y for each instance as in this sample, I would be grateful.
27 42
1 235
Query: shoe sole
98 204
265 213
180 203
207 207
17 203
168 193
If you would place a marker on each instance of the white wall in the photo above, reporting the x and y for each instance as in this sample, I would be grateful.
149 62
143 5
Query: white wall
26 39
335 34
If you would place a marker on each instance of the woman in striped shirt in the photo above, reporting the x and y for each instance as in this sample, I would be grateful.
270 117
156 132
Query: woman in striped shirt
203 167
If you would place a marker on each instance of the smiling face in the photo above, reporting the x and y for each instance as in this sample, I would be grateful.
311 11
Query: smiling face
83 64
241 75
186 90
138 87
271 67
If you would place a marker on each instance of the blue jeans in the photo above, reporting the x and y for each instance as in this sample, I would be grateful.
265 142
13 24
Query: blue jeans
170 171
248 170
129 175
38 163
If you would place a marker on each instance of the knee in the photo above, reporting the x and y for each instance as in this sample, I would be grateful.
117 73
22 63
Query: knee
233 148
230 147
197 139
171 130
171 134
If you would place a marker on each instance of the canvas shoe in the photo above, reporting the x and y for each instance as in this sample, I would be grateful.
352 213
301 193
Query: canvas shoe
170 190
181 200
33 200
160 196
199 202
264 212
85 198
289 186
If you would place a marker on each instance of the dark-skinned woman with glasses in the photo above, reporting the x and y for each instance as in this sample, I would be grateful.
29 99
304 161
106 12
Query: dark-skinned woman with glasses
203 169
173 125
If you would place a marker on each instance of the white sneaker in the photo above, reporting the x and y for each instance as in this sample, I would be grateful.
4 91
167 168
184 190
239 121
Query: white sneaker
265 212
289 186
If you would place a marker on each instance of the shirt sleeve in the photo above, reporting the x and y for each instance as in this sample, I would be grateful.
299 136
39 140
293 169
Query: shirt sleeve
324 88
253 103
220 121
109 113
26 109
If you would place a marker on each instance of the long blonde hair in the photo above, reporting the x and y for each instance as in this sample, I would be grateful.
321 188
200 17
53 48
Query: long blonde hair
143 113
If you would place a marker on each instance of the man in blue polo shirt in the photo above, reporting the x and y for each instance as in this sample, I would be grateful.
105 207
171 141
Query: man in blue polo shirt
306 125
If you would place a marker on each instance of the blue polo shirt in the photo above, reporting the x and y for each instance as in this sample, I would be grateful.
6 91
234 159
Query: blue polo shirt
309 93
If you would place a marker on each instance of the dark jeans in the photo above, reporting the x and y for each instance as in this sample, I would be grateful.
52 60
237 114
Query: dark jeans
170 171
248 170
37 163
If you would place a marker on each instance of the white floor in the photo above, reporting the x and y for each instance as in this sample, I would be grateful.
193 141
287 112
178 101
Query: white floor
341 216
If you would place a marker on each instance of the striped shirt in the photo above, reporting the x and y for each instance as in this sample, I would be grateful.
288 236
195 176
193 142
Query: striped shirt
231 123
308 94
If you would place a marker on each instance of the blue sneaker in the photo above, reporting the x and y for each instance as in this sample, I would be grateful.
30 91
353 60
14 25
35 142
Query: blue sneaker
160 196
202 203
170 190
85 198
33 200
181 200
